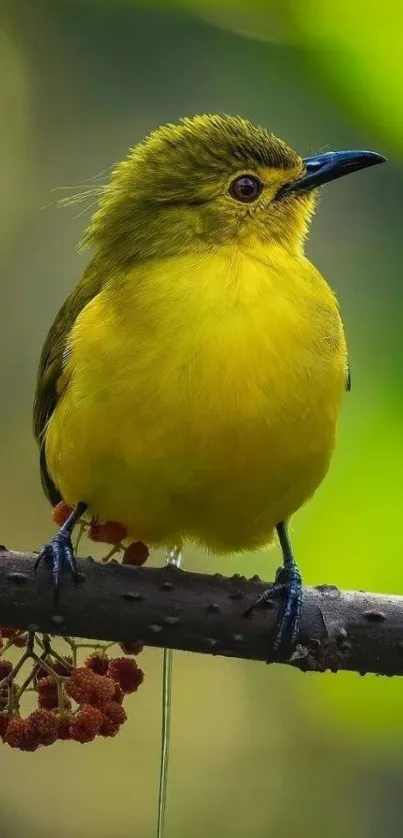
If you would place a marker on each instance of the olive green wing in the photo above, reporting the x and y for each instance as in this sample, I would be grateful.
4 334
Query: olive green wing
50 382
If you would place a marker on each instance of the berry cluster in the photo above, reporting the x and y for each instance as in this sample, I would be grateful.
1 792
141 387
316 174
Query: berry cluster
110 532
73 702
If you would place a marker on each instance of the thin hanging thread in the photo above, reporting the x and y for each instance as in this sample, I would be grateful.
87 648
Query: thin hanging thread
173 558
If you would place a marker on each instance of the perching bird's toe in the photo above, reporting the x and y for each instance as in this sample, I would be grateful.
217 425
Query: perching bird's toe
58 553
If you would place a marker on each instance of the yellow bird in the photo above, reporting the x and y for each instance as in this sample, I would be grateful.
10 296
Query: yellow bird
191 384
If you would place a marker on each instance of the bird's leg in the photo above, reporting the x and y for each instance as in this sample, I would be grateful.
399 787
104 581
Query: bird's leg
288 579
59 550
288 583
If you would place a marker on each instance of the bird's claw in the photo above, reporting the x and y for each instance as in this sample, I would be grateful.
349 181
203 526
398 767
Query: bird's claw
288 581
58 552
288 584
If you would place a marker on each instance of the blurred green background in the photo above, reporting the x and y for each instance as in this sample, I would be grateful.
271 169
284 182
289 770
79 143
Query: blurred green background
256 751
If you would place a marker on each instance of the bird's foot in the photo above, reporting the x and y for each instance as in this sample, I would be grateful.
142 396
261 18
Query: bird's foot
288 580
288 584
58 552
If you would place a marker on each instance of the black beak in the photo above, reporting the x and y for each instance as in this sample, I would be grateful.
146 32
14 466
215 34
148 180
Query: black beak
322 168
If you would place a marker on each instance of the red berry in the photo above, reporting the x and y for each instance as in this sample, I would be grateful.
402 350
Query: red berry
109 728
48 697
136 554
47 693
86 724
50 701
131 647
98 662
114 712
111 532
126 672
118 695
19 736
80 685
86 687
4 720
103 691
30 743
113 717
63 729
43 726
61 512
15 732
20 639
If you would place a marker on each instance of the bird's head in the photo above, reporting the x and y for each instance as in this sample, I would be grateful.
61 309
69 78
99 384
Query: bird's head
210 181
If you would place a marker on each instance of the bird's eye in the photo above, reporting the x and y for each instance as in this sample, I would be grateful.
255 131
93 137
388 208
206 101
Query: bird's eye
246 188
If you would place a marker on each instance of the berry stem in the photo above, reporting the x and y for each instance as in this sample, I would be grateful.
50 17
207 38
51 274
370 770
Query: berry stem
117 548
80 532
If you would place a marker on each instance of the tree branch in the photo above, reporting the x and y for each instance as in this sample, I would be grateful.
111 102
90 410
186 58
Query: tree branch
202 613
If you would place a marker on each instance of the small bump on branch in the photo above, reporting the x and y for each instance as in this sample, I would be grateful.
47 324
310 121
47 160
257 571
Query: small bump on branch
170 607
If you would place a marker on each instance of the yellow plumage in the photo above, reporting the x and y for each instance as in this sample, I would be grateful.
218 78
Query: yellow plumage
191 383
201 401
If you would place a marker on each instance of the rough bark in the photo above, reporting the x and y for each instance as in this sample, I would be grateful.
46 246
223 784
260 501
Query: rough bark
169 607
